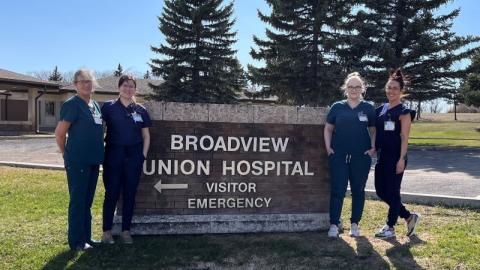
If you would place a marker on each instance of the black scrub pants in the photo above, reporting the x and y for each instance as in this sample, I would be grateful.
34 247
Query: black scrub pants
387 186
121 173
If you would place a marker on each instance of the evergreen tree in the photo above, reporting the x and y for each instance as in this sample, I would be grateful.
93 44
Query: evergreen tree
55 76
119 71
147 75
304 51
408 34
470 90
197 58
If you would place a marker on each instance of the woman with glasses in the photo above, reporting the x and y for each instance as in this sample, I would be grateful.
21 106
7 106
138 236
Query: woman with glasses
126 146
83 152
350 143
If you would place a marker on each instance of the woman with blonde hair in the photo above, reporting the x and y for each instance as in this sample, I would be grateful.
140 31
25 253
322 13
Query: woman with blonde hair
350 142
81 118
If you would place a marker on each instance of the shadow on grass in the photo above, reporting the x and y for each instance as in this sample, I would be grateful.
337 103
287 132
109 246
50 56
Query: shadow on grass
401 256
312 250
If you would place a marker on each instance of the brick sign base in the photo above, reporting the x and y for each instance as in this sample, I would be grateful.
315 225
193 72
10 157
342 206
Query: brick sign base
232 169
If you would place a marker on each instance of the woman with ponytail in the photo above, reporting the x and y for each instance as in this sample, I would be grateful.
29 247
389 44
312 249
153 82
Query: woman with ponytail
393 122
126 146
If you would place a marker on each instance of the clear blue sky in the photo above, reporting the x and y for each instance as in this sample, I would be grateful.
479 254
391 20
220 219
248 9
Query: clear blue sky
36 35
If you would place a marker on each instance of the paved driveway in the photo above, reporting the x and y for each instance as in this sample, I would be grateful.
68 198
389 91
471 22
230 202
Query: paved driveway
445 171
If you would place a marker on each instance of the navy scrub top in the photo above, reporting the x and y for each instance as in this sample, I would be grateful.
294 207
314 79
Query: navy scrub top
351 135
387 142
85 137
122 127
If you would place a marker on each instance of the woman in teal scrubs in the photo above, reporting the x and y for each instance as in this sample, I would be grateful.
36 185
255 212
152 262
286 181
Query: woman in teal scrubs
81 118
350 143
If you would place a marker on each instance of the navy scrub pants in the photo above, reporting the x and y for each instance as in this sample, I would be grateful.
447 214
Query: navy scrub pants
121 173
82 182
387 186
345 167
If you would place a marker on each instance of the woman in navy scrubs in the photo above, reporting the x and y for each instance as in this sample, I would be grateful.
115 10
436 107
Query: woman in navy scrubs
81 118
127 143
393 123
350 142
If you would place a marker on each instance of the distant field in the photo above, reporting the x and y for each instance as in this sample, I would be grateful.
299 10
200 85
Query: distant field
440 129
449 117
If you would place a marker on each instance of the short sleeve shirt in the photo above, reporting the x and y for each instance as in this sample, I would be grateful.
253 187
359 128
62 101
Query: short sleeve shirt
85 135
124 124
351 135
389 141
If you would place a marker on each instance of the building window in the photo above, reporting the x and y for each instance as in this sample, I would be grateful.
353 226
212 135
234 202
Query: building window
49 108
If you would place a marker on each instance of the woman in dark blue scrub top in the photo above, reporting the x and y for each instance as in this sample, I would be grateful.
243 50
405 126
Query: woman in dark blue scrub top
393 121
127 143
350 142
81 118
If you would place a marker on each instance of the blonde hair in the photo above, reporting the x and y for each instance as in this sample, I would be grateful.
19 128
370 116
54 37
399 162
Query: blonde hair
347 79
88 74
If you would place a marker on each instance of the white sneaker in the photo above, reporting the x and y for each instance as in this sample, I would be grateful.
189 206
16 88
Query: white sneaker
412 224
354 230
333 231
385 232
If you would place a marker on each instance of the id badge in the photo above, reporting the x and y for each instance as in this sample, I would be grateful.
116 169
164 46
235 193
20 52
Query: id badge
389 126
362 117
97 119
137 117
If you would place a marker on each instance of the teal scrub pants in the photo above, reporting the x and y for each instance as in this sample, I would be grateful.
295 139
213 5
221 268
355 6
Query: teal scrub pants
82 181
345 167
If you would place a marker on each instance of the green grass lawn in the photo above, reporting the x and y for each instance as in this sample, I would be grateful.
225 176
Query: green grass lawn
445 134
33 205
440 129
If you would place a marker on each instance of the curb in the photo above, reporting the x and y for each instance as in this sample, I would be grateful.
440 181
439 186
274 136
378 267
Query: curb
432 200
26 137
418 198
33 165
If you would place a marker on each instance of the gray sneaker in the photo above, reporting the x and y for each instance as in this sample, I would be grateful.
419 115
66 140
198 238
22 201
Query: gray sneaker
333 231
126 237
107 238
385 232
354 230
412 224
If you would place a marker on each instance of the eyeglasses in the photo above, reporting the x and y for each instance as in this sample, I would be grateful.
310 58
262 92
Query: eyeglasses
84 81
354 88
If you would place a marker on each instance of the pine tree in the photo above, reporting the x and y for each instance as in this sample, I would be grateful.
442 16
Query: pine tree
197 58
147 75
119 71
409 34
304 51
55 76
470 90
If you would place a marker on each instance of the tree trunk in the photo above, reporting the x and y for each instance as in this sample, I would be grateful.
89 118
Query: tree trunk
419 109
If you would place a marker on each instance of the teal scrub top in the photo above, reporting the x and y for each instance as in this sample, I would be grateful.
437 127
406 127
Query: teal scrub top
351 135
85 137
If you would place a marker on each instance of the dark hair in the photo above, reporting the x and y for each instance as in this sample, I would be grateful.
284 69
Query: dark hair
125 78
397 75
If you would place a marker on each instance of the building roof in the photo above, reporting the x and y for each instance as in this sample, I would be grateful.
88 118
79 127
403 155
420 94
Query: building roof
109 85
13 77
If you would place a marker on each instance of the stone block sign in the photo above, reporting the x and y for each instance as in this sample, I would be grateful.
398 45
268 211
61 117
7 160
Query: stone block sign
215 168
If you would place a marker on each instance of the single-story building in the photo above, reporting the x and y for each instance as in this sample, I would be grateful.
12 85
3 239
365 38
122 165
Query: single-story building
31 105
20 98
